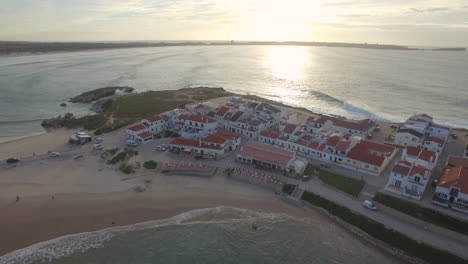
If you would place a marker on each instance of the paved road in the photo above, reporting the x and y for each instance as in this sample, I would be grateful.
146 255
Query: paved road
458 246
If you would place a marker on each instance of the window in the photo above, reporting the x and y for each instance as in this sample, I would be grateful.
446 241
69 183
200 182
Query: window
454 192
417 179
397 183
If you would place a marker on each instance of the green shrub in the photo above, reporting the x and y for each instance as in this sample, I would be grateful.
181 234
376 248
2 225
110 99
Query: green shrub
379 231
423 213
118 158
127 169
150 165
112 151
289 188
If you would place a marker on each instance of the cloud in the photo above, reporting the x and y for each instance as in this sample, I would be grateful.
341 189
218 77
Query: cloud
429 10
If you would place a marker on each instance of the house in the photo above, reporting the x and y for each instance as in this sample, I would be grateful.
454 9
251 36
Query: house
196 126
362 128
422 131
228 142
269 156
408 179
157 123
457 161
140 133
269 137
408 137
422 157
453 185
433 143
369 157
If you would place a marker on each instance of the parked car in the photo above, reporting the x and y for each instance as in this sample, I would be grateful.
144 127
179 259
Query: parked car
12 160
98 140
162 147
305 178
97 146
454 136
369 205
132 143
325 165
54 154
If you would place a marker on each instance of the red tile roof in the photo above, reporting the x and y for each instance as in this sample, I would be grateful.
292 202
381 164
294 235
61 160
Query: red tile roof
458 161
185 142
222 111
157 118
137 128
267 153
219 138
434 139
342 146
145 135
420 170
333 141
363 152
270 134
422 154
402 168
228 136
313 145
455 176
289 129
197 118
413 151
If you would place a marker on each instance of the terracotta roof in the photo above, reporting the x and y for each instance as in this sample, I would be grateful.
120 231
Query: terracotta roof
267 153
228 136
157 118
458 161
212 138
313 145
197 118
145 135
455 176
402 168
222 111
270 134
137 128
434 139
420 170
363 152
333 141
185 142
422 154
289 129
343 145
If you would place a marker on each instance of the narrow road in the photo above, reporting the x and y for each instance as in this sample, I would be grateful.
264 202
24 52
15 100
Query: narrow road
458 246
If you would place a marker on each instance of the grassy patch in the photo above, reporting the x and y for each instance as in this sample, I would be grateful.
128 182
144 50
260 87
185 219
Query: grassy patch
123 156
170 134
113 126
112 151
89 122
289 188
127 169
423 213
150 165
379 231
348 185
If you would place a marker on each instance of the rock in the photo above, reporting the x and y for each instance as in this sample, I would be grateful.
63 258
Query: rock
63 105
100 93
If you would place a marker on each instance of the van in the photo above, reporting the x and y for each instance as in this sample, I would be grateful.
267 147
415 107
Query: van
369 205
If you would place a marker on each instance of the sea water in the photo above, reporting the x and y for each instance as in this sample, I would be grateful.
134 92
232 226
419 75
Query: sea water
387 85
212 235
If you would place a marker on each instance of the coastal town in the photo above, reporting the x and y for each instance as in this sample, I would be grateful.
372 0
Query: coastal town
350 162
410 157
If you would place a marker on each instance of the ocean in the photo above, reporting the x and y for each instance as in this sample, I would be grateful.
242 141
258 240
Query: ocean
383 85
212 235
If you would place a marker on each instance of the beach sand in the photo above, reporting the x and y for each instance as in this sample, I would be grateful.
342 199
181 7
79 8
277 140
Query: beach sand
89 194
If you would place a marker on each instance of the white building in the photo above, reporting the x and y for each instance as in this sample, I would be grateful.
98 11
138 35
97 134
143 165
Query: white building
409 180
140 133
362 128
453 185
422 157
197 126
157 123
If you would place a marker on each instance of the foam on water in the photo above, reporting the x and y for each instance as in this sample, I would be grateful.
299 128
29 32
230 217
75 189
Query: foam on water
67 245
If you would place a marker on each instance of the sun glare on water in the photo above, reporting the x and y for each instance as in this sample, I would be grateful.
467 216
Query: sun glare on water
287 62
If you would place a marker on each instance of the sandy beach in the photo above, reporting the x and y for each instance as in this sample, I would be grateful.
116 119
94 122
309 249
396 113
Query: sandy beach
66 195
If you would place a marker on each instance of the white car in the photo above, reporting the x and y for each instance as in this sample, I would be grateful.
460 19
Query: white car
132 143
369 205
54 154
97 146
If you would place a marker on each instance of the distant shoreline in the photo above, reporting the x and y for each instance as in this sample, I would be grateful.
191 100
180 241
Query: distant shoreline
19 48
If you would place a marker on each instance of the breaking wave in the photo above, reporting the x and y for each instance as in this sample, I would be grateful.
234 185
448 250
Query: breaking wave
66 245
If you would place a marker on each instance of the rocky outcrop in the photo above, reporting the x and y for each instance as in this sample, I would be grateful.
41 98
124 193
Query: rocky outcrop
100 93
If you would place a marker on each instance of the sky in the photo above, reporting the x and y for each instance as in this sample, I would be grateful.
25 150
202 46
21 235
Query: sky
405 22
